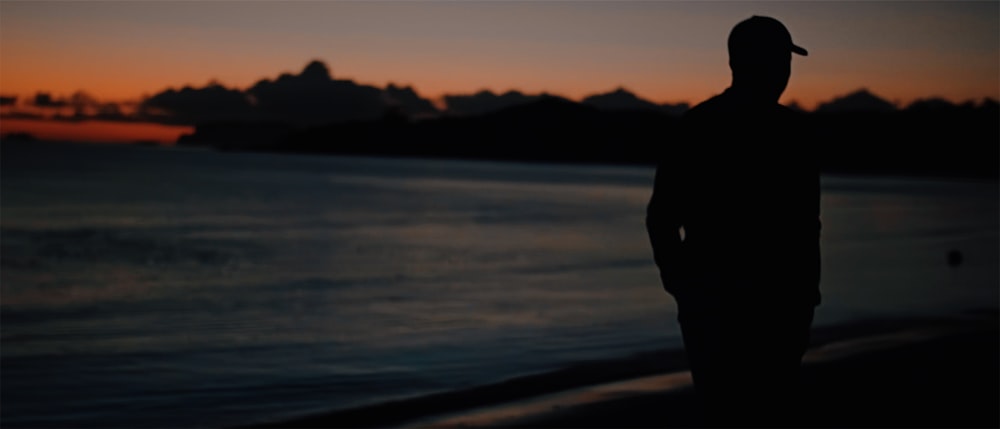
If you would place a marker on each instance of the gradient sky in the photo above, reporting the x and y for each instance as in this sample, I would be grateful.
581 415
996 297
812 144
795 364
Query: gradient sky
662 50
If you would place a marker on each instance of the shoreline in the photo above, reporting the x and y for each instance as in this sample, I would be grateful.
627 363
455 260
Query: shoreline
899 372
949 175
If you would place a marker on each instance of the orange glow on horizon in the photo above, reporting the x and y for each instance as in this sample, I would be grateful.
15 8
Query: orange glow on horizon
809 86
95 131
663 52
666 74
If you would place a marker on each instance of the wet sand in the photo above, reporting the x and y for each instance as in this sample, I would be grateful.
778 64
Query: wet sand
901 373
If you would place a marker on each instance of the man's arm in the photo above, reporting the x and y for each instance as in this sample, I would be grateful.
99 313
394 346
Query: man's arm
663 222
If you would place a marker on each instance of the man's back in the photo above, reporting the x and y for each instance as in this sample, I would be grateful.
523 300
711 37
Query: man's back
743 183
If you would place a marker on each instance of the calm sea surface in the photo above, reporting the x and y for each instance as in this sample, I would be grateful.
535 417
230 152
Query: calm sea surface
146 287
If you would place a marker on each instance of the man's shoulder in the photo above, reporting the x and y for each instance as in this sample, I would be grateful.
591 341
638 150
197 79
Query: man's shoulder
711 106
788 111
725 104
709 110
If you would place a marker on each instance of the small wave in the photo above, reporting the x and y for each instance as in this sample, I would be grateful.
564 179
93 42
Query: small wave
27 248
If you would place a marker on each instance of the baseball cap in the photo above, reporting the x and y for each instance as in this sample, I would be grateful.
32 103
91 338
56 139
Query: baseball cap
761 35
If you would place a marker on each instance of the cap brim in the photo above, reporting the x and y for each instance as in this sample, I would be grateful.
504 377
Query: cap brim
800 50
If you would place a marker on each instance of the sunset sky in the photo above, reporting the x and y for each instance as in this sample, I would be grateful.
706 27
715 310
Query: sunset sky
664 51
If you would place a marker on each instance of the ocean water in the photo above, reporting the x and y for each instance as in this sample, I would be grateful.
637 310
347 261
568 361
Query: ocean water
153 287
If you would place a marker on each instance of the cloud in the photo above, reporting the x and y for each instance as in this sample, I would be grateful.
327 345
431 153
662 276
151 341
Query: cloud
314 97
409 103
44 99
78 106
188 105
86 106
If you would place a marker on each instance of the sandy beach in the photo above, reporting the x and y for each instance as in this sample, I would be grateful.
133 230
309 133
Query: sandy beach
898 373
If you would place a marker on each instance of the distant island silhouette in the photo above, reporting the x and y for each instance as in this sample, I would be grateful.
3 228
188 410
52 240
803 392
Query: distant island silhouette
856 133
924 140
312 112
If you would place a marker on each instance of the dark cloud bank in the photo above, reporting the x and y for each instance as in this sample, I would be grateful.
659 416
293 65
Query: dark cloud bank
314 97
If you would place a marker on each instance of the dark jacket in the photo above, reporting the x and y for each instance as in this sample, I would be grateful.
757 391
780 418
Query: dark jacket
743 181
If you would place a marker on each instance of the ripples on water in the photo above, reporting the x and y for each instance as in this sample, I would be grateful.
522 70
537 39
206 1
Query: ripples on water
137 282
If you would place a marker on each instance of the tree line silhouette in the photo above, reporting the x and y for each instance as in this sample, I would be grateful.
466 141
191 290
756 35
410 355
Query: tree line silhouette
312 112
925 139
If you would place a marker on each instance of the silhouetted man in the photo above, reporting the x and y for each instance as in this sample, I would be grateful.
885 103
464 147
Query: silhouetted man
734 225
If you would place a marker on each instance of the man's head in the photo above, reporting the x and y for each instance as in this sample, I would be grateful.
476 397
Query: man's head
760 55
